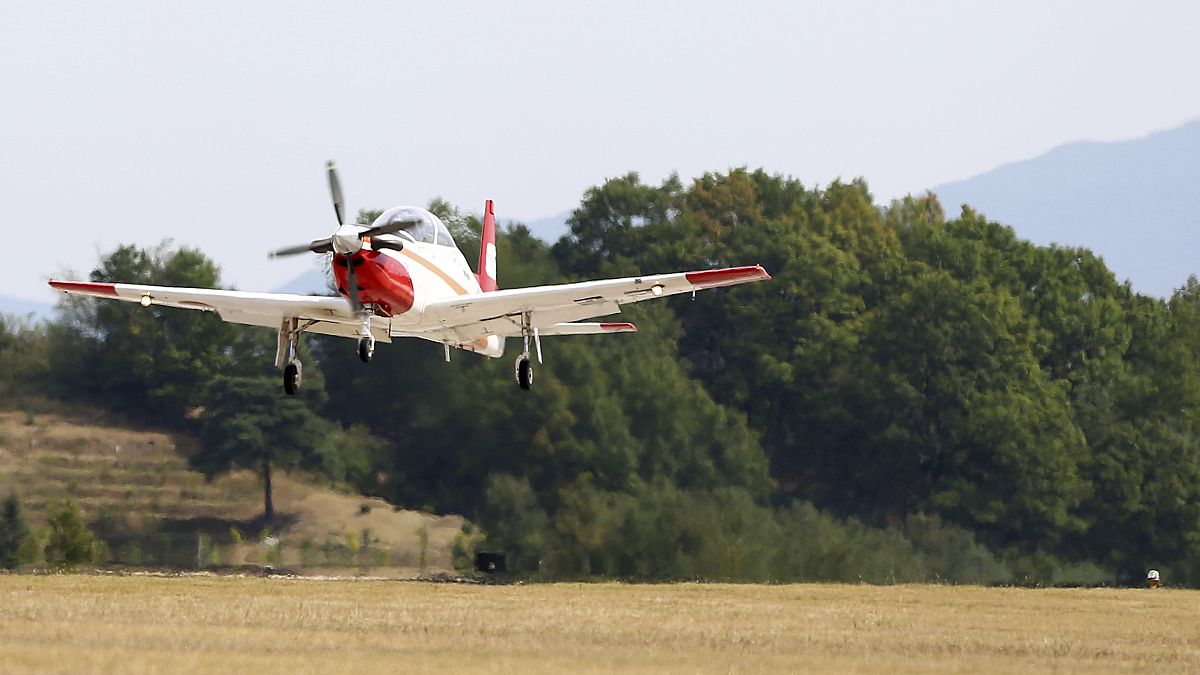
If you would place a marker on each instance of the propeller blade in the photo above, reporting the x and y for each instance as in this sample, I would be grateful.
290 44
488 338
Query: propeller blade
316 246
390 228
335 191
352 285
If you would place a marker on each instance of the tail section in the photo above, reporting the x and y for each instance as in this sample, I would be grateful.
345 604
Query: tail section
487 251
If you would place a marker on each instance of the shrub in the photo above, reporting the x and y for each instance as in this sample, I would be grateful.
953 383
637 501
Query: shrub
463 551
951 553
70 542
423 543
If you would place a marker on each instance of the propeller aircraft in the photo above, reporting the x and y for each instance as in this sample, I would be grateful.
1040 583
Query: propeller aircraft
403 276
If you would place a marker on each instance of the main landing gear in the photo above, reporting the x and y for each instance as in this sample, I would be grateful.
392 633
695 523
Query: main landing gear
524 367
292 376
285 355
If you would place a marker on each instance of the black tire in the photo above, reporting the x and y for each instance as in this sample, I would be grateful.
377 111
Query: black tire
366 349
292 375
525 373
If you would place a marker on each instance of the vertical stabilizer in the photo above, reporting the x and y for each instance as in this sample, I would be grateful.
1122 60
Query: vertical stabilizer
487 251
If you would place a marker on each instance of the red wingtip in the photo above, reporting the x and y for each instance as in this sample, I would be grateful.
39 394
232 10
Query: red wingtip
728 276
619 327
88 287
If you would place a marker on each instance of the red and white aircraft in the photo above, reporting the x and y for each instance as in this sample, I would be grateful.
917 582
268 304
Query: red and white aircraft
403 276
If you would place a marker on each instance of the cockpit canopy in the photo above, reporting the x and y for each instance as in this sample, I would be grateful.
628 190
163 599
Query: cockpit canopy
428 228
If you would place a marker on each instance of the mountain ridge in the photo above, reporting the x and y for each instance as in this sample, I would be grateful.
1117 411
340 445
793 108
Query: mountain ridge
1135 202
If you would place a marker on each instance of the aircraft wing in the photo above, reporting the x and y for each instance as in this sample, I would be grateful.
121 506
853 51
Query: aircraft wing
328 315
553 308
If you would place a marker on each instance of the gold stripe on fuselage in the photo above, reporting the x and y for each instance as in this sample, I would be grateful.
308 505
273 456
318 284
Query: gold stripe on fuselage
454 285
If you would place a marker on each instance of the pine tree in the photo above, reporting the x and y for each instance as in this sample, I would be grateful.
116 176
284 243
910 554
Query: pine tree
13 531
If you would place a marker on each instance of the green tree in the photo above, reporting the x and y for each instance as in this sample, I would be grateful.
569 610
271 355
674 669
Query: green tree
152 363
70 542
516 523
249 423
14 530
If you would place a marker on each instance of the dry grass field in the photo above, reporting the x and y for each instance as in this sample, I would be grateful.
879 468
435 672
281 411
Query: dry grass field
81 623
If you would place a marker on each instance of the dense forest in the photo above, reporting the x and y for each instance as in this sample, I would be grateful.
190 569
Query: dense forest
912 397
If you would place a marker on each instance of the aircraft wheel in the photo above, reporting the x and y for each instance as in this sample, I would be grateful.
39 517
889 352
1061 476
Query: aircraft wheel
292 374
524 373
366 349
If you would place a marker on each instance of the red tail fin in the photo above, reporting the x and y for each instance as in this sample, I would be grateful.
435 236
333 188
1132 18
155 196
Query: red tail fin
487 251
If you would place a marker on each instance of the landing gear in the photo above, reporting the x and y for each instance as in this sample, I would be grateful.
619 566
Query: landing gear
366 349
292 375
524 372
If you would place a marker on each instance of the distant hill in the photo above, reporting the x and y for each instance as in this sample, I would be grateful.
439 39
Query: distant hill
1135 203
21 308
312 282
551 228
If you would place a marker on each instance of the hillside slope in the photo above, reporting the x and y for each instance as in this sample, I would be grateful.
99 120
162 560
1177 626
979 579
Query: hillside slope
1135 203
137 492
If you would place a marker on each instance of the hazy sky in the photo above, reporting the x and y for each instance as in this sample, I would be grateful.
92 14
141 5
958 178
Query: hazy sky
210 122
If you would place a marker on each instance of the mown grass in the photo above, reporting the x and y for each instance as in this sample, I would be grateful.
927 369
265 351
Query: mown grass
79 623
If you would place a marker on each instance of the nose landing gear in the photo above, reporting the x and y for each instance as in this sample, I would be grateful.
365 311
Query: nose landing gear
366 349
366 341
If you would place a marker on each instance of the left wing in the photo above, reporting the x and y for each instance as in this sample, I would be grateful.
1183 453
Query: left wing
327 315
552 308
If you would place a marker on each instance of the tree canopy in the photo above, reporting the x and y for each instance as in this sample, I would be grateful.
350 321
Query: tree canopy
914 395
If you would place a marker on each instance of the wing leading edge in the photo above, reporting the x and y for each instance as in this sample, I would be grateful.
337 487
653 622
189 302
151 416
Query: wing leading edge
328 315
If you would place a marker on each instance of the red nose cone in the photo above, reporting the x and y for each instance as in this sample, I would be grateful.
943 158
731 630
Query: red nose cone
382 281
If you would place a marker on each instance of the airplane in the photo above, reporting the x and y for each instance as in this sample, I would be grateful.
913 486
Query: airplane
403 276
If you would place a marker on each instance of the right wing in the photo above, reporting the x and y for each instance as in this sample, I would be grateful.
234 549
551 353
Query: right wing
551 309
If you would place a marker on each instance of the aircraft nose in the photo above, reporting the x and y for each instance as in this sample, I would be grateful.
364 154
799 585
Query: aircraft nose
345 240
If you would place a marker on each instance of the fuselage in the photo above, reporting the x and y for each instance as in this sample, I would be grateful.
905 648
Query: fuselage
399 283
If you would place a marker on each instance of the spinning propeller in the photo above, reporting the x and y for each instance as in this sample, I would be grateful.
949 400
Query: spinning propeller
347 239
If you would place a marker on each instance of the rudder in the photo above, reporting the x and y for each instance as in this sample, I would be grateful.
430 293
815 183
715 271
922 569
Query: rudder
487 251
